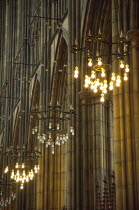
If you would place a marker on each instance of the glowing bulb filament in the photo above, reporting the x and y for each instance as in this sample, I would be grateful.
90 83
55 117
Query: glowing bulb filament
125 77
90 62
122 64
127 68
99 61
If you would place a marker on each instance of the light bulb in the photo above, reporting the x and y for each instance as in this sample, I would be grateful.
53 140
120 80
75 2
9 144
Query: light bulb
75 75
36 129
71 129
104 90
17 179
21 187
122 64
38 167
102 98
87 79
89 62
76 72
125 77
97 82
35 167
103 72
113 78
127 68
24 174
43 136
57 137
118 80
93 75
27 179
92 86
23 165
99 61
33 131
101 86
50 125
57 126
95 90
17 173
118 84
6 170
16 166
64 137
49 135
86 85
105 83
111 85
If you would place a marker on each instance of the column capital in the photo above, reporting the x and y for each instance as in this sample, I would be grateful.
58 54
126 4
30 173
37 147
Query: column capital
133 35
87 96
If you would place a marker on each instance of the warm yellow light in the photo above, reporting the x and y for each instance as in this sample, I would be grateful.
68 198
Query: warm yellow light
76 72
16 166
99 61
102 98
104 90
21 187
97 82
87 79
118 80
95 90
86 85
113 78
27 179
101 86
105 83
17 179
23 165
75 75
89 62
6 170
111 86
125 77
103 72
92 86
24 174
17 173
122 64
93 75
127 68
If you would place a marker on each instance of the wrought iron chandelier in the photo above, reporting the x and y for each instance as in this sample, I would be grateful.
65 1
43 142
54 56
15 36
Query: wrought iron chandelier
22 165
102 78
56 126
7 192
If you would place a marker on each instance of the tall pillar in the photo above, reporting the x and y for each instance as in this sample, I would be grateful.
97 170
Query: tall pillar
96 150
133 36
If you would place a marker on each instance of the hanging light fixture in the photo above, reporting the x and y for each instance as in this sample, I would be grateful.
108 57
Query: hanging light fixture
102 78
56 122
22 164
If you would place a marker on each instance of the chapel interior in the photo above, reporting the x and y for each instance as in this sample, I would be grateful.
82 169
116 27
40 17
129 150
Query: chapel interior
69 104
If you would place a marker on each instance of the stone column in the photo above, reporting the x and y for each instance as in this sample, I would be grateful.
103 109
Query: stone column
133 36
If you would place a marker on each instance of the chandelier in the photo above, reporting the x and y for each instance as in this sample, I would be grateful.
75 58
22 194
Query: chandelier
56 124
22 165
101 78
7 194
